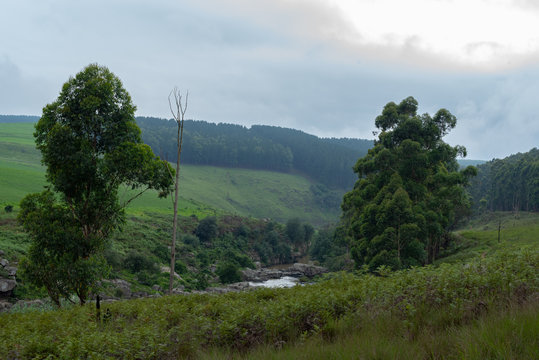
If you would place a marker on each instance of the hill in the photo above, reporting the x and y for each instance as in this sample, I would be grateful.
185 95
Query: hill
328 161
204 189
509 184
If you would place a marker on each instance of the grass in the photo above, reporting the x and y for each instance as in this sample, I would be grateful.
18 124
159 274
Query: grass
480 236
204 190
508 334
486 308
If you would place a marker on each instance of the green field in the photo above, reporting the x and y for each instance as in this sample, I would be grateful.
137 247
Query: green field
203 189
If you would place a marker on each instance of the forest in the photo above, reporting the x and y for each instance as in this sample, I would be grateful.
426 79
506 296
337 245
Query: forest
326 160
509 184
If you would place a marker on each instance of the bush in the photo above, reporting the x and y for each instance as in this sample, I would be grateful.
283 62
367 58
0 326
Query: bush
228 272
114 258
190 239
180 267
136 262
8 208
162 252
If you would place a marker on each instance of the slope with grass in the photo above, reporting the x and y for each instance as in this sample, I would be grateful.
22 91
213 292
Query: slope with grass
417 313
479 237
204 189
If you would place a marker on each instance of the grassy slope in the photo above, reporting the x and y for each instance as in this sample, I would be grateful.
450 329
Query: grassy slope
203 188
480 236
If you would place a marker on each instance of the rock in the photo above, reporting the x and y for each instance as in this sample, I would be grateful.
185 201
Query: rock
4 262
308 269
157 288
1 253
250 275
12 271
139 294
6 286
5 306
122 288
178 290
21 304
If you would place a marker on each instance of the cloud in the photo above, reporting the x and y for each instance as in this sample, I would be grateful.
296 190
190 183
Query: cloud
20 94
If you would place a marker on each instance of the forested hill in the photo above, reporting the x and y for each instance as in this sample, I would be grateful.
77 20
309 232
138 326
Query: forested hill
508 184
18 118
328 161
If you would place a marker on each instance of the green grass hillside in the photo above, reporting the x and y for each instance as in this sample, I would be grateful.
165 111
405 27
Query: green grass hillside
204 189
479 237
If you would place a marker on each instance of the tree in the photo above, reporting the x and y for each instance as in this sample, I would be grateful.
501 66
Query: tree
207 229
91 145
409 192
178 113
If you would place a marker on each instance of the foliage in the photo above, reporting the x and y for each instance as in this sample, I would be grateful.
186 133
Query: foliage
228 272
207 229
90 144
510 184
409 303
409 191
329 247
8 208
261 147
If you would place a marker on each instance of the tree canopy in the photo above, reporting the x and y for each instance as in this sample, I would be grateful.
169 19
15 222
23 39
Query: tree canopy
90 144
409 192
510 184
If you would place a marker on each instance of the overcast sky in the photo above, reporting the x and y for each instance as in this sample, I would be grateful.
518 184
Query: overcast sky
326 67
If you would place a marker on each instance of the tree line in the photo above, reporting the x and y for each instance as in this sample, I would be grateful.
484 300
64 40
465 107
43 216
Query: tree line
328 161
509 184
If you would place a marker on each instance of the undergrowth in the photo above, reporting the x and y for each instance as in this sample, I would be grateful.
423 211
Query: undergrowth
415 302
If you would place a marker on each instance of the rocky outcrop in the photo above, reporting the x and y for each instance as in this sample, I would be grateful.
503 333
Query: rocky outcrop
8 282
297 270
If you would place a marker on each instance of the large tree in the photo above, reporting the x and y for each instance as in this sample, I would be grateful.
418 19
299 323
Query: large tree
409 192
91 145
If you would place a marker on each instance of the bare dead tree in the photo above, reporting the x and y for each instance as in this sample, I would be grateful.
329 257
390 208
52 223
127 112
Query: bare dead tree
178 109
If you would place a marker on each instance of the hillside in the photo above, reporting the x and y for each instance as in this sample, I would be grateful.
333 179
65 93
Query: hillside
328 161
204 189
509 184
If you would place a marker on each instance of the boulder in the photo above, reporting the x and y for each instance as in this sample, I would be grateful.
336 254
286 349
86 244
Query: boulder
6 287
5 306
122 288
21 304
308 270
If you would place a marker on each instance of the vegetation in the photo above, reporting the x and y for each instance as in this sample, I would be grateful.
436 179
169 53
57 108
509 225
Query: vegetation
90 144
409 191
409 306
206 191
510 184
327 161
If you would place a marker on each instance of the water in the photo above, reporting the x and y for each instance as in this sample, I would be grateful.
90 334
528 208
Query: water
284 282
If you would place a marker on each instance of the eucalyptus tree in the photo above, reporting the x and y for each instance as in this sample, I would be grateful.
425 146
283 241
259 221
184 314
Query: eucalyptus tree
409 191
90 145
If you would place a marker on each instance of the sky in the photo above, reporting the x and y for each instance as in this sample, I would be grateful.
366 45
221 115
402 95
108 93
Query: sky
326 67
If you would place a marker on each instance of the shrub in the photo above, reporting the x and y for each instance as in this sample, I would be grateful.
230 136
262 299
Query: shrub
136 262
228 272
